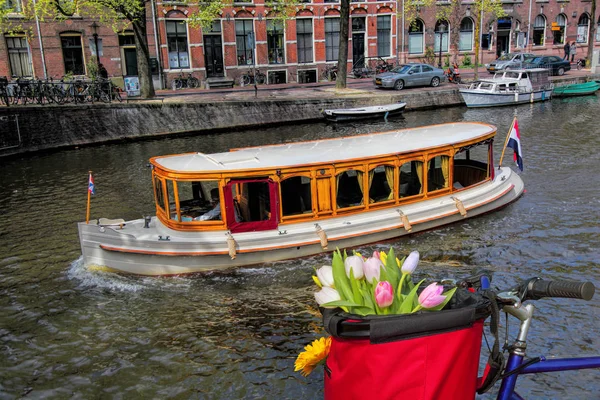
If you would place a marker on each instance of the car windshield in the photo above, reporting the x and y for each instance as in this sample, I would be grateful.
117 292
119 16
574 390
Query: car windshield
402 69
506 57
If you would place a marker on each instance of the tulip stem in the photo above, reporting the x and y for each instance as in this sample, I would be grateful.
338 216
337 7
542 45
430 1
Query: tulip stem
401 284
417 308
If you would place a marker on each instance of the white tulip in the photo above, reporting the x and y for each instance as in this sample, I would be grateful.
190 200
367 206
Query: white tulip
326 295
325 275
357 265
411 262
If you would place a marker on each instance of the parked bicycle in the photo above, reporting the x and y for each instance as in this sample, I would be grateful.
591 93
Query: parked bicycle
581 63
330 73
182 82
249 78
512 303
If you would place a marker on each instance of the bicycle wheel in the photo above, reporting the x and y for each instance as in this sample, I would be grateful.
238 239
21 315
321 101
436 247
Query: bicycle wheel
261 78
193 82
246 79
178 83
116 93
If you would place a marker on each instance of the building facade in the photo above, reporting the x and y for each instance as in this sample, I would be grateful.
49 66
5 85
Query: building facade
249 35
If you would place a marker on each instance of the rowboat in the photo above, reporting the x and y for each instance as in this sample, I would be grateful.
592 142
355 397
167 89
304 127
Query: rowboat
515 86
346 114
576 89
276 202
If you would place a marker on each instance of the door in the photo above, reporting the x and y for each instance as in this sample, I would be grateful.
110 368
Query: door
130 62
358 50
213 55
415 77
251 205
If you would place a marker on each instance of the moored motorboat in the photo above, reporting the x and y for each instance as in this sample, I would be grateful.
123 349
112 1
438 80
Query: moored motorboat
269 203
515 86
382 111
576 89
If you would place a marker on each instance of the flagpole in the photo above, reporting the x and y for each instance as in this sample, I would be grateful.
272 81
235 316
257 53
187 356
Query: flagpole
87 213
506 141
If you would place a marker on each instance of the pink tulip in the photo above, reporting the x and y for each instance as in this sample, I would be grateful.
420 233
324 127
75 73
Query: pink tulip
384 294
356 264
431 296
372 268
410 263
376 254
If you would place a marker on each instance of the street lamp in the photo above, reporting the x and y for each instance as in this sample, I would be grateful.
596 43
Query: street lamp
441 29
95 27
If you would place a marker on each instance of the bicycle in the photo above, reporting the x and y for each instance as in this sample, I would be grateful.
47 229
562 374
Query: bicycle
330 73
248 78
182 82
581 63
511 302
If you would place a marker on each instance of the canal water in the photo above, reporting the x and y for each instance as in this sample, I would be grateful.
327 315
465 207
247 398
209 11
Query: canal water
70 332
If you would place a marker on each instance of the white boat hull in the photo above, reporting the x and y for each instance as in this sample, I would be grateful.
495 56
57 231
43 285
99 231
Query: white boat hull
382 111
146 251
477 98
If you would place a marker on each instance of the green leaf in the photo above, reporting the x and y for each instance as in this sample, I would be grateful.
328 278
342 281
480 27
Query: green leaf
340 303
411 300
341 281
448 295
391 269
354 285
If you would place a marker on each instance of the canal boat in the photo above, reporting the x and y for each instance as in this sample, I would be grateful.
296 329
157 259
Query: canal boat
576 89
514 86
276 202
348 114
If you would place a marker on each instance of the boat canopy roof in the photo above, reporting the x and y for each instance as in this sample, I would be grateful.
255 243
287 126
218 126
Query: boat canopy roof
327 150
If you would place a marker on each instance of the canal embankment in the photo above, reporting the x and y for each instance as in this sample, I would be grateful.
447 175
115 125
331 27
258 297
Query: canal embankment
26 129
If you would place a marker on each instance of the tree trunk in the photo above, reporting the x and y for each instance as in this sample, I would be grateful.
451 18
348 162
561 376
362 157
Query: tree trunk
592 36
143 55
476 48
342 73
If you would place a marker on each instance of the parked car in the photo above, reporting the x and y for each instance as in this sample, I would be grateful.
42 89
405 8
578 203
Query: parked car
508 61
556 65
406 75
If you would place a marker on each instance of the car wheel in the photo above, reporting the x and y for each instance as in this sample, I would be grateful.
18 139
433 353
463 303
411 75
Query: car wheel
399 85
435 82
561 71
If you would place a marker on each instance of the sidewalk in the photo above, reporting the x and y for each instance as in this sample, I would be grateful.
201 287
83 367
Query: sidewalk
319 90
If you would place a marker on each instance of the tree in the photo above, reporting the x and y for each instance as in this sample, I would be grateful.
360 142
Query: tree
592 35
342 65
481 8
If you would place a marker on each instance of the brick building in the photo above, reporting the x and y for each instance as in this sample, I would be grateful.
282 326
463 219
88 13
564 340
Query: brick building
300 49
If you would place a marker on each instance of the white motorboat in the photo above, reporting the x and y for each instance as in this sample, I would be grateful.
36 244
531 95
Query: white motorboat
345 114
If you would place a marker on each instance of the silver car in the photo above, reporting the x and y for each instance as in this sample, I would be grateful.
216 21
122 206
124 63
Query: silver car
508 61
410 75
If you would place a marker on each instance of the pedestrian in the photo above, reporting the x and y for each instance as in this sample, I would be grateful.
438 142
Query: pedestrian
102 72
567 49
573 51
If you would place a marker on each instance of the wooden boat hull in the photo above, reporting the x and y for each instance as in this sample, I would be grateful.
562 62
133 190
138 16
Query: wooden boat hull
350 114
476 98
577 89
158 250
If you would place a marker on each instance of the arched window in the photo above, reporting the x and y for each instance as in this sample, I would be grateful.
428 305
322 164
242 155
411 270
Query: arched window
438 173
415 37
349 189
465 42
559 34
598 31
583 28
381 184
296 196
441 35
411 179
539 30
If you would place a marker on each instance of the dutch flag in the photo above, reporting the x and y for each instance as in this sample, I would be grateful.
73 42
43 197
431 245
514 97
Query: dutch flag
514 142
91 187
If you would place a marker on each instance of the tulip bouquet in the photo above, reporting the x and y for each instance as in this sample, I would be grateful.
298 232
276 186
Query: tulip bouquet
378 285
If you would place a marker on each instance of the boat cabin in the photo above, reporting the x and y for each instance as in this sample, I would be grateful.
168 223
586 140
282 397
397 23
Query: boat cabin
269 187
514 81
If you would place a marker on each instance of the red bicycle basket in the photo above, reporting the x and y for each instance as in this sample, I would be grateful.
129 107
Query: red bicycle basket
423 356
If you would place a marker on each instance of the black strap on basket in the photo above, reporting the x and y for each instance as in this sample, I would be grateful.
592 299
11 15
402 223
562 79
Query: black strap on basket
495 364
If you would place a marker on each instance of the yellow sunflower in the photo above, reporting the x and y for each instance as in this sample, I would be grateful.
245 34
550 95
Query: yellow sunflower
314 354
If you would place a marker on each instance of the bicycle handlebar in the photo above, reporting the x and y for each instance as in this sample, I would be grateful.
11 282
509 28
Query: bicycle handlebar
537 288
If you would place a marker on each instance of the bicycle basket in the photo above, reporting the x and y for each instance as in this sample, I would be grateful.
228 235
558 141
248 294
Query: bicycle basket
426 355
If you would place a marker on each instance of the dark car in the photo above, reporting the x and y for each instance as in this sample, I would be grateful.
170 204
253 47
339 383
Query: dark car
554 64
410 75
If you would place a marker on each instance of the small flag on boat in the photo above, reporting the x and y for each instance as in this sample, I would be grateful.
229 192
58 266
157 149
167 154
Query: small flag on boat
91 187
514 142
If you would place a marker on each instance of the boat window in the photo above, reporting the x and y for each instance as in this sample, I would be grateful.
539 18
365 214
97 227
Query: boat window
349 189
381 184
199 200
438 173
513 75
158 192
296 196
486 86
411 179
251 201
471 164
171 199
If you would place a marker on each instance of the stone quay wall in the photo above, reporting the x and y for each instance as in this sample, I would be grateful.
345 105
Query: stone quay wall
27 129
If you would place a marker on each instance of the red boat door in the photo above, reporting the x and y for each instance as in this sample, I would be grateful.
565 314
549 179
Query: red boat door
251 205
